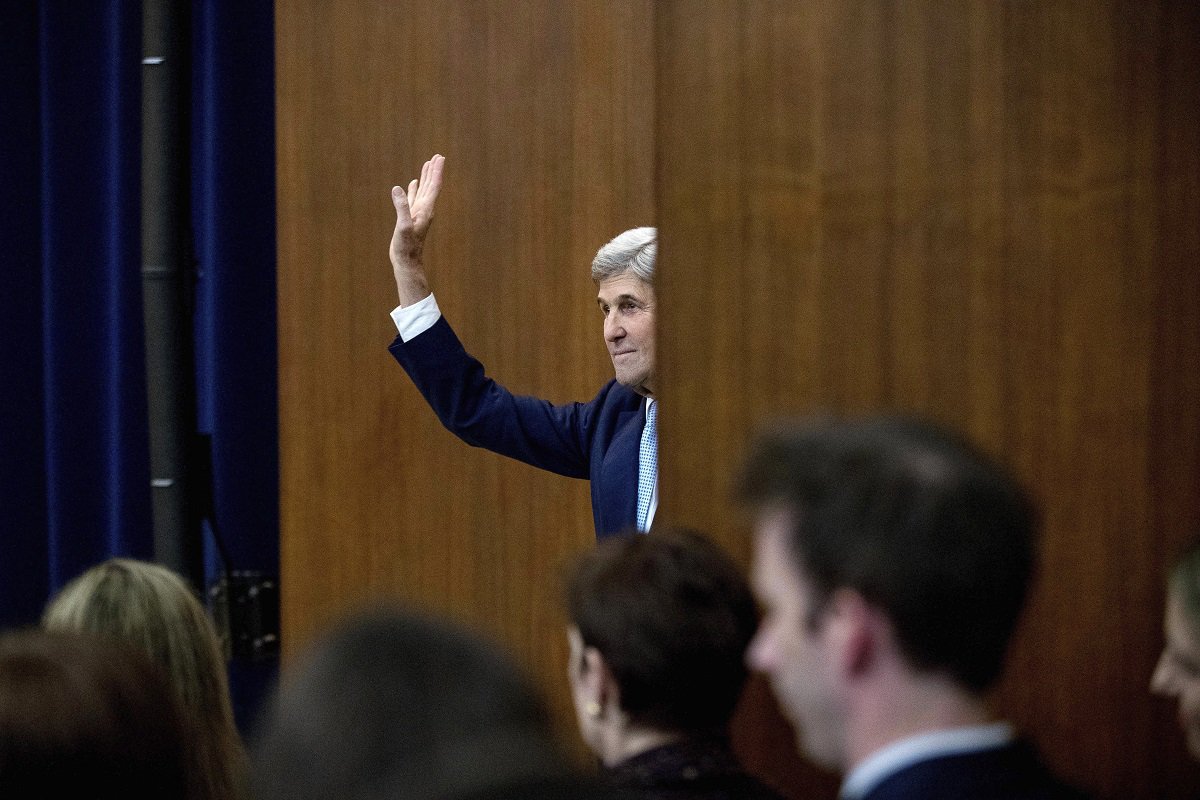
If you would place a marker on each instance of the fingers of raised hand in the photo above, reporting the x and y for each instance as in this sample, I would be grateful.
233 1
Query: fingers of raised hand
414 207
401 203
431 178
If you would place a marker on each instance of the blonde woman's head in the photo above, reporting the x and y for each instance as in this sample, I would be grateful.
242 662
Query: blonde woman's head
154 610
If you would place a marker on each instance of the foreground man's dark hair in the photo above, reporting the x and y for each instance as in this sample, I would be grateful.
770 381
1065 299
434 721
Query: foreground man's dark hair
913 517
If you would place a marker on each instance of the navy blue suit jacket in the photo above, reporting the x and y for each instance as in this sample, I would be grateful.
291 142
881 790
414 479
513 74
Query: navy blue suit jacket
598 440
1011 772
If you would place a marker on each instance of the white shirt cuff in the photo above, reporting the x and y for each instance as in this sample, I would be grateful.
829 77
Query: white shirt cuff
412 321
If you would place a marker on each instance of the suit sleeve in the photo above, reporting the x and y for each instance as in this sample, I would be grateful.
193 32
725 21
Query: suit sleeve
483 413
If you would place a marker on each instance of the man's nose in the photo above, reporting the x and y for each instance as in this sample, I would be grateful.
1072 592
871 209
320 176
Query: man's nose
613 330
758 653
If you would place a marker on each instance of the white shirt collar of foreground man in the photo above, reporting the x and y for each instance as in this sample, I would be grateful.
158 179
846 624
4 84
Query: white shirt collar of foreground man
898 755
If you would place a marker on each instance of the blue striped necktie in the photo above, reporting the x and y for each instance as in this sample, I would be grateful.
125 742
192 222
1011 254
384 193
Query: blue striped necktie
647 465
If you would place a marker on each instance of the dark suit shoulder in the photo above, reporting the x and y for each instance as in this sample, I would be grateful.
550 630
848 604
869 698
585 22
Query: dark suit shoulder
613 397
1011 772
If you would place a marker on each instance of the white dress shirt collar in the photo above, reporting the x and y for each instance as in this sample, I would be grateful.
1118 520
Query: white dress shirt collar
898 755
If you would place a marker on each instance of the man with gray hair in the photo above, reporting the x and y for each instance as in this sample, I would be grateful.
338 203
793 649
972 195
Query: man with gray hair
611 440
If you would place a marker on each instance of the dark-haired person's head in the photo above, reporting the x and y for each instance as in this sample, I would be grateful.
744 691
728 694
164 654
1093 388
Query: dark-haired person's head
659 626
886 549
1177 674
395 704
84 716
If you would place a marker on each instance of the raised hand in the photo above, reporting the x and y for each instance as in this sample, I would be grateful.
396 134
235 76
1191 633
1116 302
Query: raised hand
414 215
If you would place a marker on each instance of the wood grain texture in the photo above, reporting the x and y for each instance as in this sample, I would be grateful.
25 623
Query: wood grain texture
544 111
983 212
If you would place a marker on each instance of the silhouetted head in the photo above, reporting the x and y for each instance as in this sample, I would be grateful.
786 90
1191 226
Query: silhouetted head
394 704
86 716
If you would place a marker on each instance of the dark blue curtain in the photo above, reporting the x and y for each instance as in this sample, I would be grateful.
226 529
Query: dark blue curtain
75 463
74 440
23 542
233 210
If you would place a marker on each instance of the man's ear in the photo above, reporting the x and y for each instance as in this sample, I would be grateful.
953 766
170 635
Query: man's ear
599 679
853 628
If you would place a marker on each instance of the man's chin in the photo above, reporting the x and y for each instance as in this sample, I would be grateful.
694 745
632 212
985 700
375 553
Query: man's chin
818 752
631 381
813 741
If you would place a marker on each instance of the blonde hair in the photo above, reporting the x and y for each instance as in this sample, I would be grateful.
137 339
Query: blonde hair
153 609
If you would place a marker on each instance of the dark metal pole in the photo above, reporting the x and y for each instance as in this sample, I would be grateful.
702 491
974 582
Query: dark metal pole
167 282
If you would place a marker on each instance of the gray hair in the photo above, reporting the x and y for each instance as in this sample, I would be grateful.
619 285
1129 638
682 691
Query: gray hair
632 251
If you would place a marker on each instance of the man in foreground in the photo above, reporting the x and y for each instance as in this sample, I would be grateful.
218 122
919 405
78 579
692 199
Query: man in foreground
892 561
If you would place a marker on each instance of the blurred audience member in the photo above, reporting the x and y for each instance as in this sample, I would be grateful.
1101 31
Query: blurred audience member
1178 672
892 561
153 609
658 631
84 716
394 705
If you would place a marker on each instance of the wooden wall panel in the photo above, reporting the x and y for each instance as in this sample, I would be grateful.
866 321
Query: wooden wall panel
986 212
983 212
544 111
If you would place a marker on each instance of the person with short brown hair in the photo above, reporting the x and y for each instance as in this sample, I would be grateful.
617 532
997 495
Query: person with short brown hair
658 631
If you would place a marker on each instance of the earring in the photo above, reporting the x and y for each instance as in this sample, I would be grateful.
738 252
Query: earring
592 708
